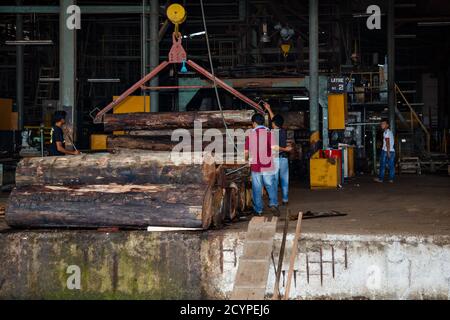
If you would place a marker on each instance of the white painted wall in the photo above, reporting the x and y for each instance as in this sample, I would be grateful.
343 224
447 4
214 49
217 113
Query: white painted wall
377 267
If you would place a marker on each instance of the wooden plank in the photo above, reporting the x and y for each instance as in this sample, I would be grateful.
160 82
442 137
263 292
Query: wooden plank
293 256
253 268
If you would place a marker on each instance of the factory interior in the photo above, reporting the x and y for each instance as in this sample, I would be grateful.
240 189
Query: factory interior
140 225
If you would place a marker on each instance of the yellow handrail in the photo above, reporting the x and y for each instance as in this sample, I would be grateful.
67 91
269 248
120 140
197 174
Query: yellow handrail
414 114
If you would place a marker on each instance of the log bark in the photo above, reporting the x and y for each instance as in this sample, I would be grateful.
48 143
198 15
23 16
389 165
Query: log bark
125 206
140 142
176 120
125 167
213 203
248 196
230 206
152 122
242 204
161 143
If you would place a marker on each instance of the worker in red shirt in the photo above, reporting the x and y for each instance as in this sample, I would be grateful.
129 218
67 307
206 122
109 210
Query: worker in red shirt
258 150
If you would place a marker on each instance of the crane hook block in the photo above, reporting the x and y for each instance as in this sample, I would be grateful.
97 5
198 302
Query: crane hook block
176 13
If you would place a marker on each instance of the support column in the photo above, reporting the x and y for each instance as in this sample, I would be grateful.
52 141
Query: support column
314 66
67 67
19 70
374 149
154 52
391 63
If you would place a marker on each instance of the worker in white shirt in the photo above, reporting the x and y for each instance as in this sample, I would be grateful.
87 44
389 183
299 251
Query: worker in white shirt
387 153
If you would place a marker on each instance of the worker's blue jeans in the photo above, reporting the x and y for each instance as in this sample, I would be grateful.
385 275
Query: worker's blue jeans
260 180
282 176
390 161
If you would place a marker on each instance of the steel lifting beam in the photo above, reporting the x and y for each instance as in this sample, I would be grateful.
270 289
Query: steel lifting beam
177 55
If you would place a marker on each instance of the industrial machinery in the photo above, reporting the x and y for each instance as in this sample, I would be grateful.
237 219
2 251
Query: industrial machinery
153 188
34 141
177 55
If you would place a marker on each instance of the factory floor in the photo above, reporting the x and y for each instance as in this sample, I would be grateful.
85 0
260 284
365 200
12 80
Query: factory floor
416 205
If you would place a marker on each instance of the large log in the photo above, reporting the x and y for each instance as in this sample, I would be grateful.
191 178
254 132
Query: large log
151 122
162 143
127 167
177 120
126 206
165 143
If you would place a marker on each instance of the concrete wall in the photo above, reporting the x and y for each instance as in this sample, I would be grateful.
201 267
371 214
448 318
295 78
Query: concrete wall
123 265
142 265
351 267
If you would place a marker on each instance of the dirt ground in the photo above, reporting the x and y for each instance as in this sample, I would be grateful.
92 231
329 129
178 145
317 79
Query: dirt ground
418 205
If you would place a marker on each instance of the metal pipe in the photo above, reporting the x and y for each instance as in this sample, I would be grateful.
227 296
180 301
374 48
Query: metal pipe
154 52
314 65
374 149
144 45
176 87
391 64
41 133
19 70
28 42
67 66
106 9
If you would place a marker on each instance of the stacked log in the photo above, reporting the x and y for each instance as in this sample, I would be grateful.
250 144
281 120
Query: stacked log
165 143
177 120
127 189
185 120
153 132
141 183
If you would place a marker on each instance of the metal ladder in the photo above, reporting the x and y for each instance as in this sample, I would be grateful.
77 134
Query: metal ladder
44 89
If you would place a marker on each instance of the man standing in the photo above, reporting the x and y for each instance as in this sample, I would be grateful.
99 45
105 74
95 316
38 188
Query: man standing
387 153
282 160
57 145
258 150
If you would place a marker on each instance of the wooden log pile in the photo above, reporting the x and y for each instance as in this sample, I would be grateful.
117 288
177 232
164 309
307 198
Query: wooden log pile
140 183
153 131
128 189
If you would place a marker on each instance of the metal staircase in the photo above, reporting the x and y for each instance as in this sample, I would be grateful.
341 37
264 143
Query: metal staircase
410 124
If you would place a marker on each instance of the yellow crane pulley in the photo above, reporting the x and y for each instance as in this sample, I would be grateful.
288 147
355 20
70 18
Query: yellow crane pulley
285 48
177 15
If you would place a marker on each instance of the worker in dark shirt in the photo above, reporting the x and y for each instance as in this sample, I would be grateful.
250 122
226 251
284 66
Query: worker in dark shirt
57 146
282 159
